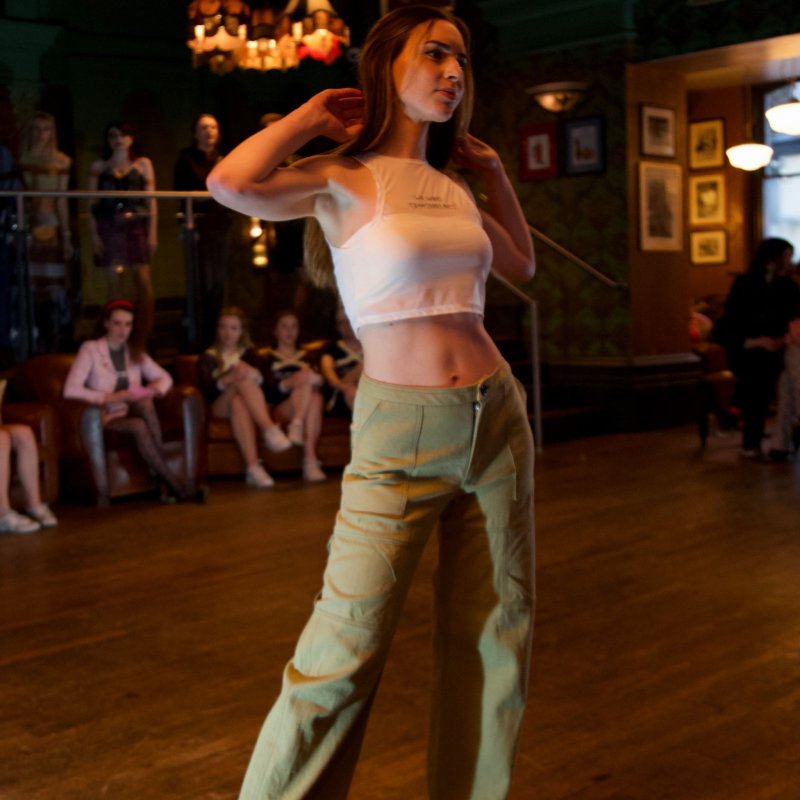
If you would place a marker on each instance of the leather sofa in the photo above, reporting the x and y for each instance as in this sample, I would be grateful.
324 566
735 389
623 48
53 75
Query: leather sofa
99 464
223 454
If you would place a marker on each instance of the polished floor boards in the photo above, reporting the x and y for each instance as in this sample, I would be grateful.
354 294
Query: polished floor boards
140 647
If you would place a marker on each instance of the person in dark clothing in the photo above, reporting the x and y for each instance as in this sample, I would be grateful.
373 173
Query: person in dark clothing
211 220
753 329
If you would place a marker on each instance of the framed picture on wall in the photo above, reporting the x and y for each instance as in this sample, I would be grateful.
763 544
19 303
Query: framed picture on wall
584 146
660 206
538 155
658 131
706 144
708 247
707 199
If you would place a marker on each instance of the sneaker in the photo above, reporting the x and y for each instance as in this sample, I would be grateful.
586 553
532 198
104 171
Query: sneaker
257 476
43 515
18 523
296 431
276 440
312 471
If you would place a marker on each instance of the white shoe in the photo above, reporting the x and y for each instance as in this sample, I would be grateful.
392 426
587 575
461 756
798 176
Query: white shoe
257 476
18 523
312 471
296 431
276 440
43 515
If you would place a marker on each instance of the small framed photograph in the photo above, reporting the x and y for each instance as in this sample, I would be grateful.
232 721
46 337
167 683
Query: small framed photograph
538 155
584 146
660 206
658 131
707 199
708 247
706 144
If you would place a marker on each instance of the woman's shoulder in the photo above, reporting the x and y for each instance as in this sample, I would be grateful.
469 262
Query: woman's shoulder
98 166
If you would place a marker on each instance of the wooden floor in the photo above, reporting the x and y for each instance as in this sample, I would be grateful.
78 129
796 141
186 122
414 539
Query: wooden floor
141 646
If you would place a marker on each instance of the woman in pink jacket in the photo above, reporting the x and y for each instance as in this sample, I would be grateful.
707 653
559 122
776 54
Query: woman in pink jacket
115 373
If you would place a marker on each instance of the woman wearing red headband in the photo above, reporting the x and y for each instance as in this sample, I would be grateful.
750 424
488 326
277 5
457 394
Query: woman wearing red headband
113 372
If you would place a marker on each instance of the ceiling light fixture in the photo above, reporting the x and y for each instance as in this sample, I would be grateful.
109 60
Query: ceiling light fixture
785 118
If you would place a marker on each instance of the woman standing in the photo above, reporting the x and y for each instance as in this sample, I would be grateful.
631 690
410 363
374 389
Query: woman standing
440 432
231 381
759 307
113 372
45 168
124 230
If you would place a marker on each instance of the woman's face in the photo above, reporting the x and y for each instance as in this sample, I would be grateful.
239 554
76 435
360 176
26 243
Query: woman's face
42 131
119 326
429 72
229 330
287 329
119 141
206 132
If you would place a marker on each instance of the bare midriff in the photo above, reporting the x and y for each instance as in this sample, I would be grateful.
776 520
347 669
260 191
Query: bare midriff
439 351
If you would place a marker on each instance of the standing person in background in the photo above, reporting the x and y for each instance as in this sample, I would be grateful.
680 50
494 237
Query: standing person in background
440 430
124 230
342 364
231 381
212 221
760 305
293 389
45 168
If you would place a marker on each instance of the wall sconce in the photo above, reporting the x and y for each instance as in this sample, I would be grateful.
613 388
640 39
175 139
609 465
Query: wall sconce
785 118
560 96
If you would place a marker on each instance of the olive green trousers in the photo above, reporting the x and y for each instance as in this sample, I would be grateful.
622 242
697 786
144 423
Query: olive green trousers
462 458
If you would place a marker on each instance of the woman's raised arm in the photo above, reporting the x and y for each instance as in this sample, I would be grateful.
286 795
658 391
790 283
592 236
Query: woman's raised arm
251 179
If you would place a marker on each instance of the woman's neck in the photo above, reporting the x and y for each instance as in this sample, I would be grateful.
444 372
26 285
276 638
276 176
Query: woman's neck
286 349
407 139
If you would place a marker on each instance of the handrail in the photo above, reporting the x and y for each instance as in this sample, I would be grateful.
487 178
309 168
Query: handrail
570 256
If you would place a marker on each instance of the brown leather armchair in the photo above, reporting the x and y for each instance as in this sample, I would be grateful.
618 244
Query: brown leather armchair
101 464
42 420
224 457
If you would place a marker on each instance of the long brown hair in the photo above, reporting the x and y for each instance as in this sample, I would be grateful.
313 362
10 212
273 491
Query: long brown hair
383 45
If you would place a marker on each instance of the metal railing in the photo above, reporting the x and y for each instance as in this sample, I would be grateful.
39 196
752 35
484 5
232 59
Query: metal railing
536 374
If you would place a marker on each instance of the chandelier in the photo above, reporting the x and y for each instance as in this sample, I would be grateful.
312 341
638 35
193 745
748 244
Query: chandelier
226 34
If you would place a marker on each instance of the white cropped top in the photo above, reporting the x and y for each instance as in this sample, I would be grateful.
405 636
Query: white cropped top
424 253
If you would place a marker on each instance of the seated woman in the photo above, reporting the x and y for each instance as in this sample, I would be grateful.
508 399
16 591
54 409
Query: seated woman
231 382
342 365
293 389
21 440
113 372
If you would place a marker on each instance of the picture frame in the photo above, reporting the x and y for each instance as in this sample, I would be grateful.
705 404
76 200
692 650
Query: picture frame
707 199
706 144
660 207
658 131
584 146
538 152
708 247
